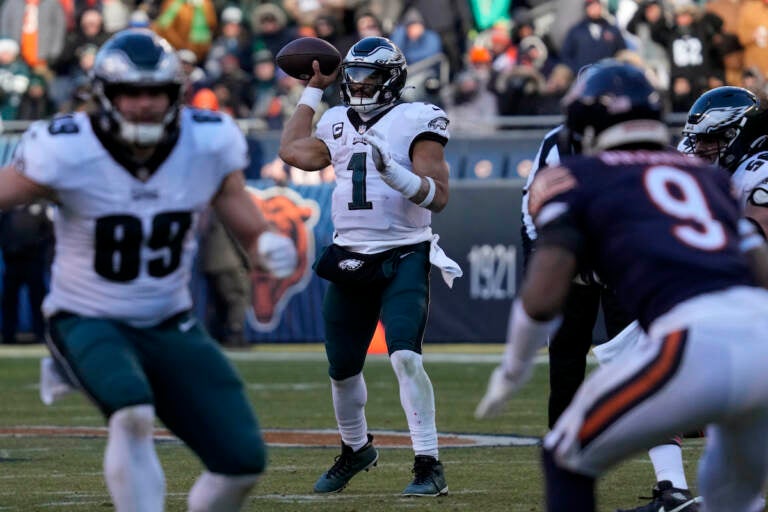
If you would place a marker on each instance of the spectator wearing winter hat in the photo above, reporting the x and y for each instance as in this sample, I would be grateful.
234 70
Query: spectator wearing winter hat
234 39
194 75
35 103
649 14
263 87
451 20
89 31
269 25
14 78
236 83
416 41
472 105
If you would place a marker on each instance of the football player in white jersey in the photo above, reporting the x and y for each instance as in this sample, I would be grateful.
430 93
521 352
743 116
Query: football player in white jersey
390 175
727 126
130 182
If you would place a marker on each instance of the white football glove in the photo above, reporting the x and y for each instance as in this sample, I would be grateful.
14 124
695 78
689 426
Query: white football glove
277 254
502 386
392 173
381 157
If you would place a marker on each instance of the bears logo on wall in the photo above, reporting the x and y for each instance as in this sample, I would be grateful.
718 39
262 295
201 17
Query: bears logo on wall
295 217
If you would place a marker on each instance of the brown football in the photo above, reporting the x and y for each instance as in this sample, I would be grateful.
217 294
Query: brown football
296 57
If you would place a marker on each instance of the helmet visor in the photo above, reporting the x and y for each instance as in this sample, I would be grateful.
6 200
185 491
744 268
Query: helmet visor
364 81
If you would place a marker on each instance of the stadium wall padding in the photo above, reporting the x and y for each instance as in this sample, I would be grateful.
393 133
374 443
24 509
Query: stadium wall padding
480 229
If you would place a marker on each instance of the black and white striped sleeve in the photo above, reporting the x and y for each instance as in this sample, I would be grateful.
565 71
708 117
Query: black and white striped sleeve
547 155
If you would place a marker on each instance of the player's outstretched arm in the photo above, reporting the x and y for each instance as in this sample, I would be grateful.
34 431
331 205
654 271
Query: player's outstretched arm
533 319
266 248
15 188
297 145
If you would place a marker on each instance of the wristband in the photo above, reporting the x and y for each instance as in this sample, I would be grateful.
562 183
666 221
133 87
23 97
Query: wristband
525 336
430 195
311 97
401 179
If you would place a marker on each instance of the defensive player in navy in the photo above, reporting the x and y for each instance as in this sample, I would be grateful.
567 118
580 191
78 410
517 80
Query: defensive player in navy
130 182
569 347
390 175
665 232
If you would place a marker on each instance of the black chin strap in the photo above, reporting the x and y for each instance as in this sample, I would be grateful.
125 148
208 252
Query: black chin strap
123 153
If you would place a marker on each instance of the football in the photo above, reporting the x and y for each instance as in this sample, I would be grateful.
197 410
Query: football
296 57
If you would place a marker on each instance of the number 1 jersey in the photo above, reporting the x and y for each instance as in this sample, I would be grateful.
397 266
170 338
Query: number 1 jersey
124 247
368 215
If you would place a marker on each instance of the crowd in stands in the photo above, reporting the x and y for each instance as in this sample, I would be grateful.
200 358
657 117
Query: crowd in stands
479 60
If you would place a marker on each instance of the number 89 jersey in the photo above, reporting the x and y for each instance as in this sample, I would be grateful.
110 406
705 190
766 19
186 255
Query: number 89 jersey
124 247
368 215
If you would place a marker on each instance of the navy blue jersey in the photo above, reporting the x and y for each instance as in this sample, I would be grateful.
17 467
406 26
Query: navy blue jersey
658 227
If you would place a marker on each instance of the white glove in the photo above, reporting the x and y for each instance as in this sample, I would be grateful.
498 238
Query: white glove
392 173
501 387
381 157
277 254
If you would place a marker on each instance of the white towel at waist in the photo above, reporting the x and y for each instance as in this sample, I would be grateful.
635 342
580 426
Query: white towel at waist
448 268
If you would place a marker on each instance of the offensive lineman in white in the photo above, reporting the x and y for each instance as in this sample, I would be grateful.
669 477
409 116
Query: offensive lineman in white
130 182
390 175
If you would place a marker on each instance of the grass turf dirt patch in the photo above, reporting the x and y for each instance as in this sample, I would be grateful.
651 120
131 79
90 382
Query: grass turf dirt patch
45 472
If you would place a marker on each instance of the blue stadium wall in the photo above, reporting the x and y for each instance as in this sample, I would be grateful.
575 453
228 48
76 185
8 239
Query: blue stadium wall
480 229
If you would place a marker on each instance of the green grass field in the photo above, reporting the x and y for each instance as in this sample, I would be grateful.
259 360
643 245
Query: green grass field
47 473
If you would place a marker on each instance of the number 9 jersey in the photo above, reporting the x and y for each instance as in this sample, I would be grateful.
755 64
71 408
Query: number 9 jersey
124 247
368 215
658 227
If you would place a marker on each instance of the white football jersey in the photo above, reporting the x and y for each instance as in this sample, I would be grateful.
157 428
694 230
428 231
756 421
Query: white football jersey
751 173
124 248
368 215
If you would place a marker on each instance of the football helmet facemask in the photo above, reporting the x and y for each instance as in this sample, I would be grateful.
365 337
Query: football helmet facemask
721 126
131 61
614 105
373 75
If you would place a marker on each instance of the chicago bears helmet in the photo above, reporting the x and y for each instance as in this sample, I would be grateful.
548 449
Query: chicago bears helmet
721 126
614 105
131 60
373 75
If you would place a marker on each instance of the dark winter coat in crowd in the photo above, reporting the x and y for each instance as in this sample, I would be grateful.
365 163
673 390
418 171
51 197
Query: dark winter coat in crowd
589 41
